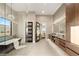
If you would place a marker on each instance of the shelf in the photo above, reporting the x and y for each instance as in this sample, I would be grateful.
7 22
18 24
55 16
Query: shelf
29 37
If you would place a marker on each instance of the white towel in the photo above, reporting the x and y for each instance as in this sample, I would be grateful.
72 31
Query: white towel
17 46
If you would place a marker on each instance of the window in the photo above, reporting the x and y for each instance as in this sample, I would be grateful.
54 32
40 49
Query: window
5 27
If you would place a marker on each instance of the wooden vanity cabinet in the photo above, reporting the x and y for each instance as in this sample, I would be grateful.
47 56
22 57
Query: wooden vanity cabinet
72 19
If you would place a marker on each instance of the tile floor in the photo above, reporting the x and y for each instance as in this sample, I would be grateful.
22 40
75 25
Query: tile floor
41 48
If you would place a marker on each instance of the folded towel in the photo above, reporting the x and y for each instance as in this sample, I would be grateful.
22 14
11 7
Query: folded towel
17 46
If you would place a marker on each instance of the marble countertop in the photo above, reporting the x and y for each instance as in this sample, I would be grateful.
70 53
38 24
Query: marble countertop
7 42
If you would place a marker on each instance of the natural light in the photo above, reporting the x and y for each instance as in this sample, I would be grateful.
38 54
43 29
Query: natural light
75 34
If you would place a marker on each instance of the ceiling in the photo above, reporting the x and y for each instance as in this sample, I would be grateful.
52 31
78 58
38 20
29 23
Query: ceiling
38 8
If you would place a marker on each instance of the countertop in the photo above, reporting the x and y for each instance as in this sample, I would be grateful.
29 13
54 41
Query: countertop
59 35
9 41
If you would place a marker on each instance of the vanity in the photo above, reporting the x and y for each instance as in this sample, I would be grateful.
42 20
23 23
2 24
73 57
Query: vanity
58 39
70 48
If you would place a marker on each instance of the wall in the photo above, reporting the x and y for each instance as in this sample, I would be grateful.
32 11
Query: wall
1 10
48 20
21 26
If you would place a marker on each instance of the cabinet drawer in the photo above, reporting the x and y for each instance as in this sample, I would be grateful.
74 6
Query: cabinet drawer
70 52
62 47
57 42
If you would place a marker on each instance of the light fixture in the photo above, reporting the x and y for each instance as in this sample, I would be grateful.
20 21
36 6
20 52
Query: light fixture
11 16
44 24
43 12
44 4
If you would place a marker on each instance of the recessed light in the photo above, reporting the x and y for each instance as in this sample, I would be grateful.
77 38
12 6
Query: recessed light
44 4
43 11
